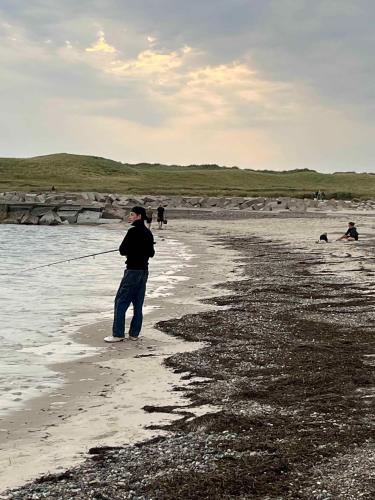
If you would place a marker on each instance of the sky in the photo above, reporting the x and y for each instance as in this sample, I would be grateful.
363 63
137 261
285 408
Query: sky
262 84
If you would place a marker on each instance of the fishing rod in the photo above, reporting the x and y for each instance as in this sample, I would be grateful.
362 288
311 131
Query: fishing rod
69 260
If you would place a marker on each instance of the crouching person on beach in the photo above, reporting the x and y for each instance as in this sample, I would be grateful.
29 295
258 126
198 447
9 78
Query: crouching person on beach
138 247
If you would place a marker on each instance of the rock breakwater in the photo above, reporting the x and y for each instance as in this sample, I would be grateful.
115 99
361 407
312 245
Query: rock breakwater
53 208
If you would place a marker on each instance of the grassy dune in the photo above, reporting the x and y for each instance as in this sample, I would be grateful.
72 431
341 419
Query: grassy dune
89 173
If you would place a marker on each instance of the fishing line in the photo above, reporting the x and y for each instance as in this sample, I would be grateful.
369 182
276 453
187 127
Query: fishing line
68 260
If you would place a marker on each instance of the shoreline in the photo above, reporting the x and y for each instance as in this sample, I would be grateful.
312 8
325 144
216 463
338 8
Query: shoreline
55 430
300 255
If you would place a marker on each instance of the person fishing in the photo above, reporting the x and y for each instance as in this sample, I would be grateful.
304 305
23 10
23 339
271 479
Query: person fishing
138 247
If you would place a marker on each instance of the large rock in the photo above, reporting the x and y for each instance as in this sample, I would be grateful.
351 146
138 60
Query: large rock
91 196
30 197
258 206
193 201
42 210
282 204
221 202
149 200
123 203
247 203
210 202
114 213
184 203
100 197
266 208
233 202
30 220
297 205
77 198
13 197
81 196
11 220
3 212
174 202
253 203
88 217
50 219
67 215
55 198
15 213
272 205
40 198
113 197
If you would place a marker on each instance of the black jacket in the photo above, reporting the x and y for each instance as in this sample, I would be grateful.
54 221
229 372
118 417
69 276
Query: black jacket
352 233
137 246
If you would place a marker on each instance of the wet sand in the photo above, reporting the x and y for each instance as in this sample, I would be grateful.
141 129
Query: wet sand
284 313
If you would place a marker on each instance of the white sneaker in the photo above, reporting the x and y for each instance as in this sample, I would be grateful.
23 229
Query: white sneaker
113 339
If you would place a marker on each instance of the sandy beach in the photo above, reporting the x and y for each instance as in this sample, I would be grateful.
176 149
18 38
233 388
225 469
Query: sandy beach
273 296
102 398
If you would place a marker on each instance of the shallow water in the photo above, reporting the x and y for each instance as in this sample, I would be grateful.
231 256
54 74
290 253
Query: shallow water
41 309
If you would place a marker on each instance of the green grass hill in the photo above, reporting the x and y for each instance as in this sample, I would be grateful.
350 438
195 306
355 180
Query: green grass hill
68 172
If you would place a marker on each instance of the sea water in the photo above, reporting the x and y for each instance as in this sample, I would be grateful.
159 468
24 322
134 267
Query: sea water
41 309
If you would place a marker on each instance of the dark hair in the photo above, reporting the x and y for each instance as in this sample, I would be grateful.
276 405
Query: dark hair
139 211
351 223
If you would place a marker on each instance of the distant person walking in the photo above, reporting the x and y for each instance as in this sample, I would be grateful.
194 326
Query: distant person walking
160 216
351 234
138 247
149 214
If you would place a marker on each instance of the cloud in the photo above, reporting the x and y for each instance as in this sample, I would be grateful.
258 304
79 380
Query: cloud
237 80
227 96
148 62
101 45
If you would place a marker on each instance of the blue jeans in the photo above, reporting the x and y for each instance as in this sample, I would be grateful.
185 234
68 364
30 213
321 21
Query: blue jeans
132 290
